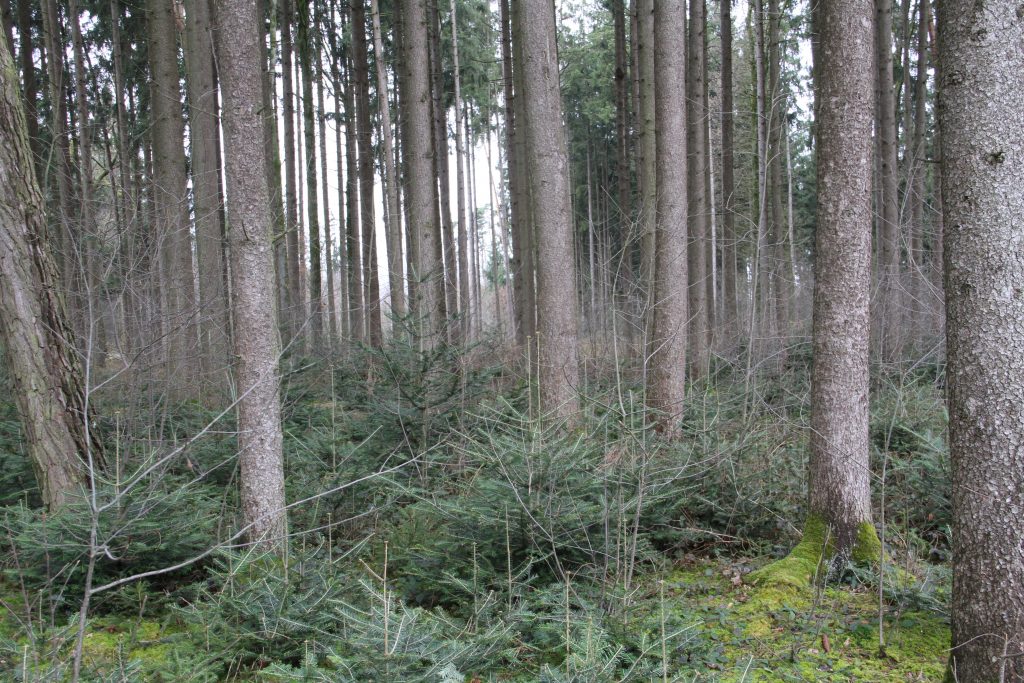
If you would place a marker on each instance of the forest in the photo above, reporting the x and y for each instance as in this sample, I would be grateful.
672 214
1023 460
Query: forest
465 341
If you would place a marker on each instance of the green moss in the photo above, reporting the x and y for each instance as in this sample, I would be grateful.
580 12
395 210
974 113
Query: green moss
868 548
798 568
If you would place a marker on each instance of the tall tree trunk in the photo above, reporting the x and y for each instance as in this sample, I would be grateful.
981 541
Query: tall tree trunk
981 53
394 237
170 196
918 169
321 121
256 347
778 110
296 297
888 227
440 111
525 229
522 287
730 263
839 470
648 156
364 131
46 374
417 136
696 193
667 384
460 184
548 172
307 54
623 245
206 191
356 269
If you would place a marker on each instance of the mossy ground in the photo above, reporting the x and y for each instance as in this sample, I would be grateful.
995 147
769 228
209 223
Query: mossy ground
784 632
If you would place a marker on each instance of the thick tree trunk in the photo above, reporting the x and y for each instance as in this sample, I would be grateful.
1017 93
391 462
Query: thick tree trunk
839 471
778 107
417 136
548 172
667 383
206 190
648 156
525 229
45 371
623 244
981 51
256 342
170 197
519 321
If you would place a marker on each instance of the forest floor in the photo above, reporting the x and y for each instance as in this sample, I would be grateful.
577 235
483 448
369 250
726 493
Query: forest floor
490 549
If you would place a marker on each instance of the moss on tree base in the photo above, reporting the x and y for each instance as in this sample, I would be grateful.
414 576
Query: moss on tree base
803 565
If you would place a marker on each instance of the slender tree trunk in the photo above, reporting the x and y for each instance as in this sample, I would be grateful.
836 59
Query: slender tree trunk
170 196
839 470
522 279
981 51
295 304
730 263
624 181
460 184
394 236
696 193
525 229
888 230
778 110
364 130
918 169
256 345
648 157
204 138
28 75
356 269
548 171
667 384
307 54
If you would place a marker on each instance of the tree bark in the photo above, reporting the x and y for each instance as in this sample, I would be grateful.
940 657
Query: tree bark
170 197
696 192
547 164
417 136
667 390
364 140
648 156
256 345
839 470
396 280
46 375
460 189
729 238
293 316
981 53
888 214
206 190
307 54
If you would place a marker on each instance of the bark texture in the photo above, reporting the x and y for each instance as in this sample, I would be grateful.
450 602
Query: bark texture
256 344
981 97
839 469
668 360
34 331
547 164
417 134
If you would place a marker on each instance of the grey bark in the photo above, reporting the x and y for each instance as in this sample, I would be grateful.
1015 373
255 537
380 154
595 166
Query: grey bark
729 261
546 159
170 197
364 141
839 469
417 135
204 137
981 54
696 192
648 153
460 189
307 54
888 210
46 375
396 281
256 345
667 380
295 305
